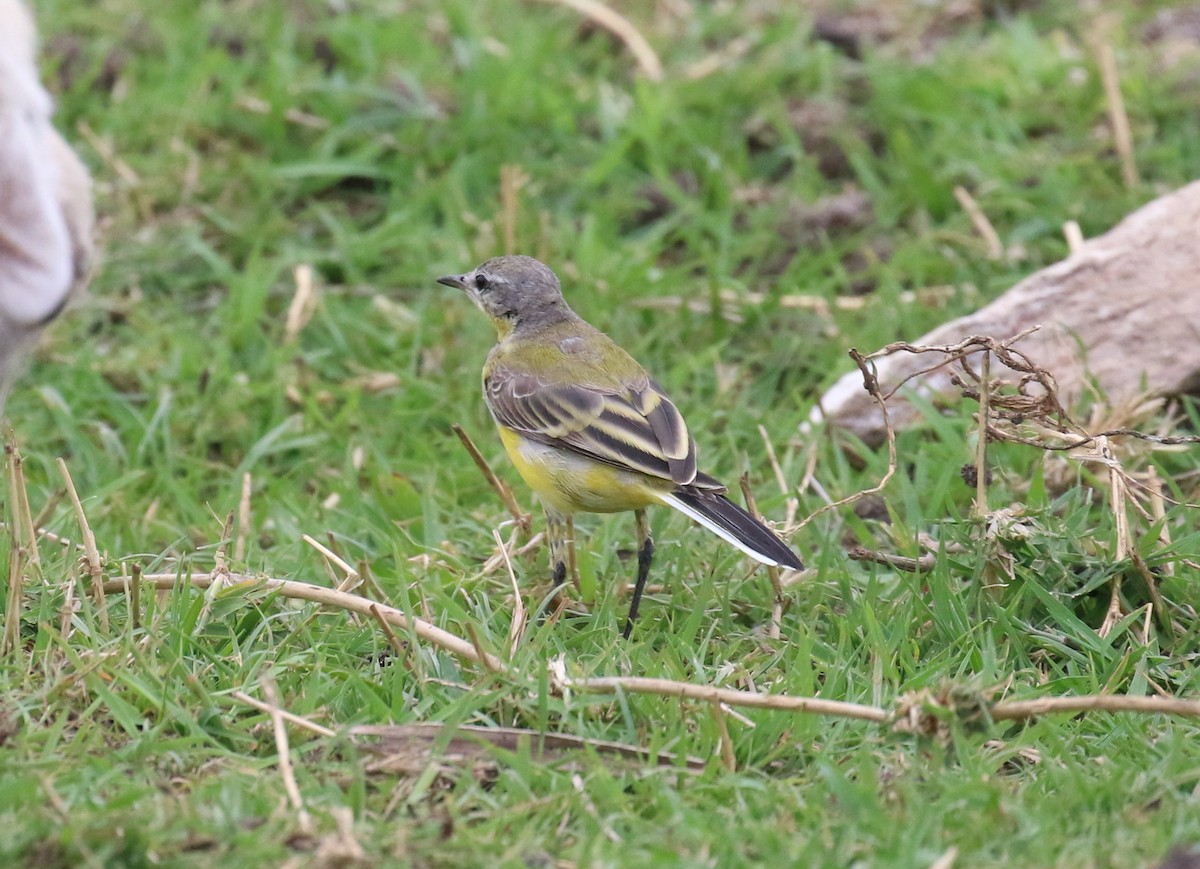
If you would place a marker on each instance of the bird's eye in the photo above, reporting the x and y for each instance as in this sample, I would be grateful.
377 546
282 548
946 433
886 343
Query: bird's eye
481 282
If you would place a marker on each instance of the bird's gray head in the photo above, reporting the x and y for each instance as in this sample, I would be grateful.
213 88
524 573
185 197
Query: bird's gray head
515 291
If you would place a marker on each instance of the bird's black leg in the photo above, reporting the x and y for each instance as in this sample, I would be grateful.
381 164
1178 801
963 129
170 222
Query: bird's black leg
555 531
645 556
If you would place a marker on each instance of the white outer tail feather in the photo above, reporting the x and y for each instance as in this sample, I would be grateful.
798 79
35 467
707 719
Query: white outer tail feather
672 501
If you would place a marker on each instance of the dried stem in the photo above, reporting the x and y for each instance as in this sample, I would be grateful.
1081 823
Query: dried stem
1016 710
871 385
330 597
135 596
1074 236
90 553
291 718
711 694
924 564
352 575
517 631
243 527
16 557
512 179
1122 137
220 564
24 518
285 758
979 220
506 496
620 27
772 570
393 640
981 469
481 654
728 760
304 303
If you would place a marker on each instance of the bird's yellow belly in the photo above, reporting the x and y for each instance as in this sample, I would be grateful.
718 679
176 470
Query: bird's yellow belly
569 483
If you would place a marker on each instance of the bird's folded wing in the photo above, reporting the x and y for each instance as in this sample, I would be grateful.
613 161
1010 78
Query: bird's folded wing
636 427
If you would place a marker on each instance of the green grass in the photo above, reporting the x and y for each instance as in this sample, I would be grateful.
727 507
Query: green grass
123 747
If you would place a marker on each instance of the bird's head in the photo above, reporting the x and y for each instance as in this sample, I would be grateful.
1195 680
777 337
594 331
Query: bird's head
515 291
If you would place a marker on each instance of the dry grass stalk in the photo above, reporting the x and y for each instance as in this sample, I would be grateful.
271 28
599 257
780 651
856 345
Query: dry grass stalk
517 631
911 712
620 27
91 554
107 152
946 861
737 48
243 526
1018 710
291 718
220 560
871 385
512 179
320 594
20 533
773 630
728 760
983 226
499 486
303 304
711 694
259 106
25 522
397 646
590 807
1117 497
792 503
923 564
498 559
1117 116
1158 512
353 578
135 596
16 592
981 468
1074 236
303 818
402 744
481 654
67 610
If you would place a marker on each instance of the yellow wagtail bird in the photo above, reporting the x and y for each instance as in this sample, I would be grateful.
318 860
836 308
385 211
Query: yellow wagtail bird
587 427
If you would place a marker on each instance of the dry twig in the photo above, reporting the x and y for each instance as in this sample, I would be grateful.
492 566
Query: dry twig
285 758
304 303
1117 116
711 694
979 220
299 721
620 27
772 570
243 528
923 564
871 385
90 553
499 486
294 589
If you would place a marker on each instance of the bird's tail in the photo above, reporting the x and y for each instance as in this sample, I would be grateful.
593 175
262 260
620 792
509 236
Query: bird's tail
734 525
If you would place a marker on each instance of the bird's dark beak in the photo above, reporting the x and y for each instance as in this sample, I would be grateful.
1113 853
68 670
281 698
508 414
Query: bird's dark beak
457 281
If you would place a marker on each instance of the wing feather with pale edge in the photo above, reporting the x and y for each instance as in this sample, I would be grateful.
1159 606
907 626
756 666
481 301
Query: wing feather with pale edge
637 428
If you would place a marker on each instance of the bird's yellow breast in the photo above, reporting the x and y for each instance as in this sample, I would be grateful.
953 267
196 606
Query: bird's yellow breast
568 482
